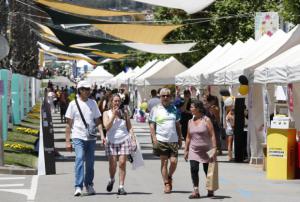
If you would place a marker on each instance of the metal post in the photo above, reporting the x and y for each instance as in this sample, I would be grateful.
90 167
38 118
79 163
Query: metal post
1 136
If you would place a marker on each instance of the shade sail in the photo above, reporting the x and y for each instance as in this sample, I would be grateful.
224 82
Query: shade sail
163 48
162 73
89 51
65 55
189 6
279 43
68 37
68 56
185 78
113 48
150 34
81 10
110 55
59 17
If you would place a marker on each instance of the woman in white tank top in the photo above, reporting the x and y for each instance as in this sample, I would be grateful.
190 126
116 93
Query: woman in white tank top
118 141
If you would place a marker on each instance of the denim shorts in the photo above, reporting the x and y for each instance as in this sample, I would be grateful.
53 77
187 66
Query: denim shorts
166 149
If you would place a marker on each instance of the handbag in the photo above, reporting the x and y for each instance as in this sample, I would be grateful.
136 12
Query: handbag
212 179
92 132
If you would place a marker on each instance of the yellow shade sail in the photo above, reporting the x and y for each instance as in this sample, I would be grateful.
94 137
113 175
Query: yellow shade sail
45 30
81 10
110 55
150 34
68 57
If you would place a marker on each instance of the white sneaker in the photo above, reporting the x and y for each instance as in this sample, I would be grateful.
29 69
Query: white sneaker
90 190
78 191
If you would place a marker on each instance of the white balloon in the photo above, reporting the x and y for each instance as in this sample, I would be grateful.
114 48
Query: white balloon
228 101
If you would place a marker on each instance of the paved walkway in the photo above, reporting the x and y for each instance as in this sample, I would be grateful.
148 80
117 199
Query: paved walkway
238 182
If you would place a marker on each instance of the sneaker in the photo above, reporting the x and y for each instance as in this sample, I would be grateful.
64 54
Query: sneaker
78 191
90 190
121 191
110 186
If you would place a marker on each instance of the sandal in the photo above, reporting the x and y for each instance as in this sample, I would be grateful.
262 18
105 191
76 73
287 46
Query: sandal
194 195
167 189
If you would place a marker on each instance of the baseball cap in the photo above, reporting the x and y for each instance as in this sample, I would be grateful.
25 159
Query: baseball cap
83 84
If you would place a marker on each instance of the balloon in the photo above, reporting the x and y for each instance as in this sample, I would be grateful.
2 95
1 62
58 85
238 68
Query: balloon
228 101
224 92
243 80
244 89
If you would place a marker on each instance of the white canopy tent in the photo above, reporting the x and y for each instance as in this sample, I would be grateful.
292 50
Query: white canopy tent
189 6
282 69
143 69
99 76
125 79
162 73
233 55
113 82
277 44
185 78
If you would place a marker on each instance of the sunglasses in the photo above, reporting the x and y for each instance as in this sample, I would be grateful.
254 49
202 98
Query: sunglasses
165 95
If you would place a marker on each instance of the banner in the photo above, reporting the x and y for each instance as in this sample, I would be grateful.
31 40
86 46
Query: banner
266 23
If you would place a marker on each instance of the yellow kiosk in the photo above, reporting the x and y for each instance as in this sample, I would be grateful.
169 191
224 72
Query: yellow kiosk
281 150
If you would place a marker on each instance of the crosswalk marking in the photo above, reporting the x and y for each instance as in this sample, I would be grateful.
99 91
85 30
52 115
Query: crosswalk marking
12 178
11 185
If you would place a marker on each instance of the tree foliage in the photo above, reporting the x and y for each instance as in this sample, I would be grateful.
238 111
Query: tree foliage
224 21
291 11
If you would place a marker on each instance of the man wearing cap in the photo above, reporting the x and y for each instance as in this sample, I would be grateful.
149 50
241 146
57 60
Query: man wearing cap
84 143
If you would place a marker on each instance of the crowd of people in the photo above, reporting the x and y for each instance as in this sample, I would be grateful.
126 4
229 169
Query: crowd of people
172 120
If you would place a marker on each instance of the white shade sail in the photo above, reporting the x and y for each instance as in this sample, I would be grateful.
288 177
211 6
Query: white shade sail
185 78
189 6
161 49
162 73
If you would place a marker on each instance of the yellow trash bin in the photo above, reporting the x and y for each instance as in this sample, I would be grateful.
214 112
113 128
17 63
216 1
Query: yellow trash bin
281 153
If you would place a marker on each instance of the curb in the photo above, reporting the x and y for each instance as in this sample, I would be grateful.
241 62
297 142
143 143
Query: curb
15 170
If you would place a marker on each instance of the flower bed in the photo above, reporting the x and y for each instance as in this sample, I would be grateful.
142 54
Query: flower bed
28 131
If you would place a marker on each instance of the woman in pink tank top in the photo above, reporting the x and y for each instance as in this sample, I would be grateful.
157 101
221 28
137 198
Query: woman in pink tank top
200 139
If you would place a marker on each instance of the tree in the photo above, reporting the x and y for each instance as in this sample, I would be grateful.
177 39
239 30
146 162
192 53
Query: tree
292 11
224 21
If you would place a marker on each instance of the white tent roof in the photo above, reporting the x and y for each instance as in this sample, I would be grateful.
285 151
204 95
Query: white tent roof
126 78
277 44
184 78
162 73
99 76
189 6
143 69
113 81
284 68
100 72
232 56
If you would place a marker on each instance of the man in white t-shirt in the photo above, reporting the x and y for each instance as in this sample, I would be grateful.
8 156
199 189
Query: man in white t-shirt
166 136
84 143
